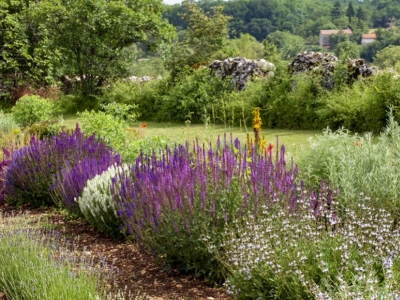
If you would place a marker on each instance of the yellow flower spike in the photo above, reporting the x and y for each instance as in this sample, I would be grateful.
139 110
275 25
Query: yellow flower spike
16 131
256 124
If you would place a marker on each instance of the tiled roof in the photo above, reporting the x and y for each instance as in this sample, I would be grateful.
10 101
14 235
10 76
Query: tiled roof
368 36
336 31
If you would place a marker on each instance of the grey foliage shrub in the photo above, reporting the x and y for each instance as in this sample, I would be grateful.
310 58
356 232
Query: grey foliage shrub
96 203
357 164
7 122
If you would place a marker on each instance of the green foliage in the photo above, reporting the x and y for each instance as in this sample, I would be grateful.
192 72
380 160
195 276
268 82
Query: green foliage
126 112
32 109
45 128
293 102
122 92
204 38
85 33
32 269
245 46
357 165
7 122
387 57
112 130
126 141
289 44
192 97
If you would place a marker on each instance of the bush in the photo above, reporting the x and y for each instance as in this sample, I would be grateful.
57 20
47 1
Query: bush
357 165
192 97
120 92
45 128
126 112
96 202
32 109
178 204
112 130
30 176
7 123
116 133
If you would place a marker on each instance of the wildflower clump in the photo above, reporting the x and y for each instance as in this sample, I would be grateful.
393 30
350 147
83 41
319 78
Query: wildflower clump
178 203
296 256
34 168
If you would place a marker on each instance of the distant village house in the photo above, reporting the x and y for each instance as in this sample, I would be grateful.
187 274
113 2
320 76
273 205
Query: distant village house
325 34
368 38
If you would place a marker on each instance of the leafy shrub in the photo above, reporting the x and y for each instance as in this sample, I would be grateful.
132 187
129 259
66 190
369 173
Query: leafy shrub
125 112
70 104
112 130
357 164
192 96
96 202
291 256
179 203
30 175
292 102
32 109
116 133
7 122
120 92
45 128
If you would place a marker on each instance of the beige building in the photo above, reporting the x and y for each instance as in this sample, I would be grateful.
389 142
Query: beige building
368 38
325 34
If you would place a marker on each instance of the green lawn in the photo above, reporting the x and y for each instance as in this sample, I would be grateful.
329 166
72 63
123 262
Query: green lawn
181 133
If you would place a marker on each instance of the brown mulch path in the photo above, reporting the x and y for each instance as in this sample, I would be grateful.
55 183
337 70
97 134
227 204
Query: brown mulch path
137 270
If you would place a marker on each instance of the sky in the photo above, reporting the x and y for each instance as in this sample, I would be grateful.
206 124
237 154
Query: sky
172 1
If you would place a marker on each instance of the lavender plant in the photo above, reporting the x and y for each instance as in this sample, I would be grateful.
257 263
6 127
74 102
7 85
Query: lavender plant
4 164
97 205
177 204
33 169
71 181
295 256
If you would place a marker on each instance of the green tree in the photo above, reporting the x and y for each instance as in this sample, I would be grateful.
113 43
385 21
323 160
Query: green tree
289 44
205 36
26 53
246 46
336 11
91 34
387 57
350 13
347 49
361 14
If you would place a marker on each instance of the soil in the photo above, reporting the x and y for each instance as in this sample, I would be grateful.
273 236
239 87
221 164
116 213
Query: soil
138 271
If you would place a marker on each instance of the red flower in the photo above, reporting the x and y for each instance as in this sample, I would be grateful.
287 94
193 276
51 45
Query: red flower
269 149
143 125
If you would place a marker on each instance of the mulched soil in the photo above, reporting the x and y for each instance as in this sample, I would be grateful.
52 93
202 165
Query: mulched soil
137 270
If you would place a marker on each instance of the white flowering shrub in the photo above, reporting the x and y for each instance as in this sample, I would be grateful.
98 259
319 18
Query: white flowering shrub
96 203
356 165
285 256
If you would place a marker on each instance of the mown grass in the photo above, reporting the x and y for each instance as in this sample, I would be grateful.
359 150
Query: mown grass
180 133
